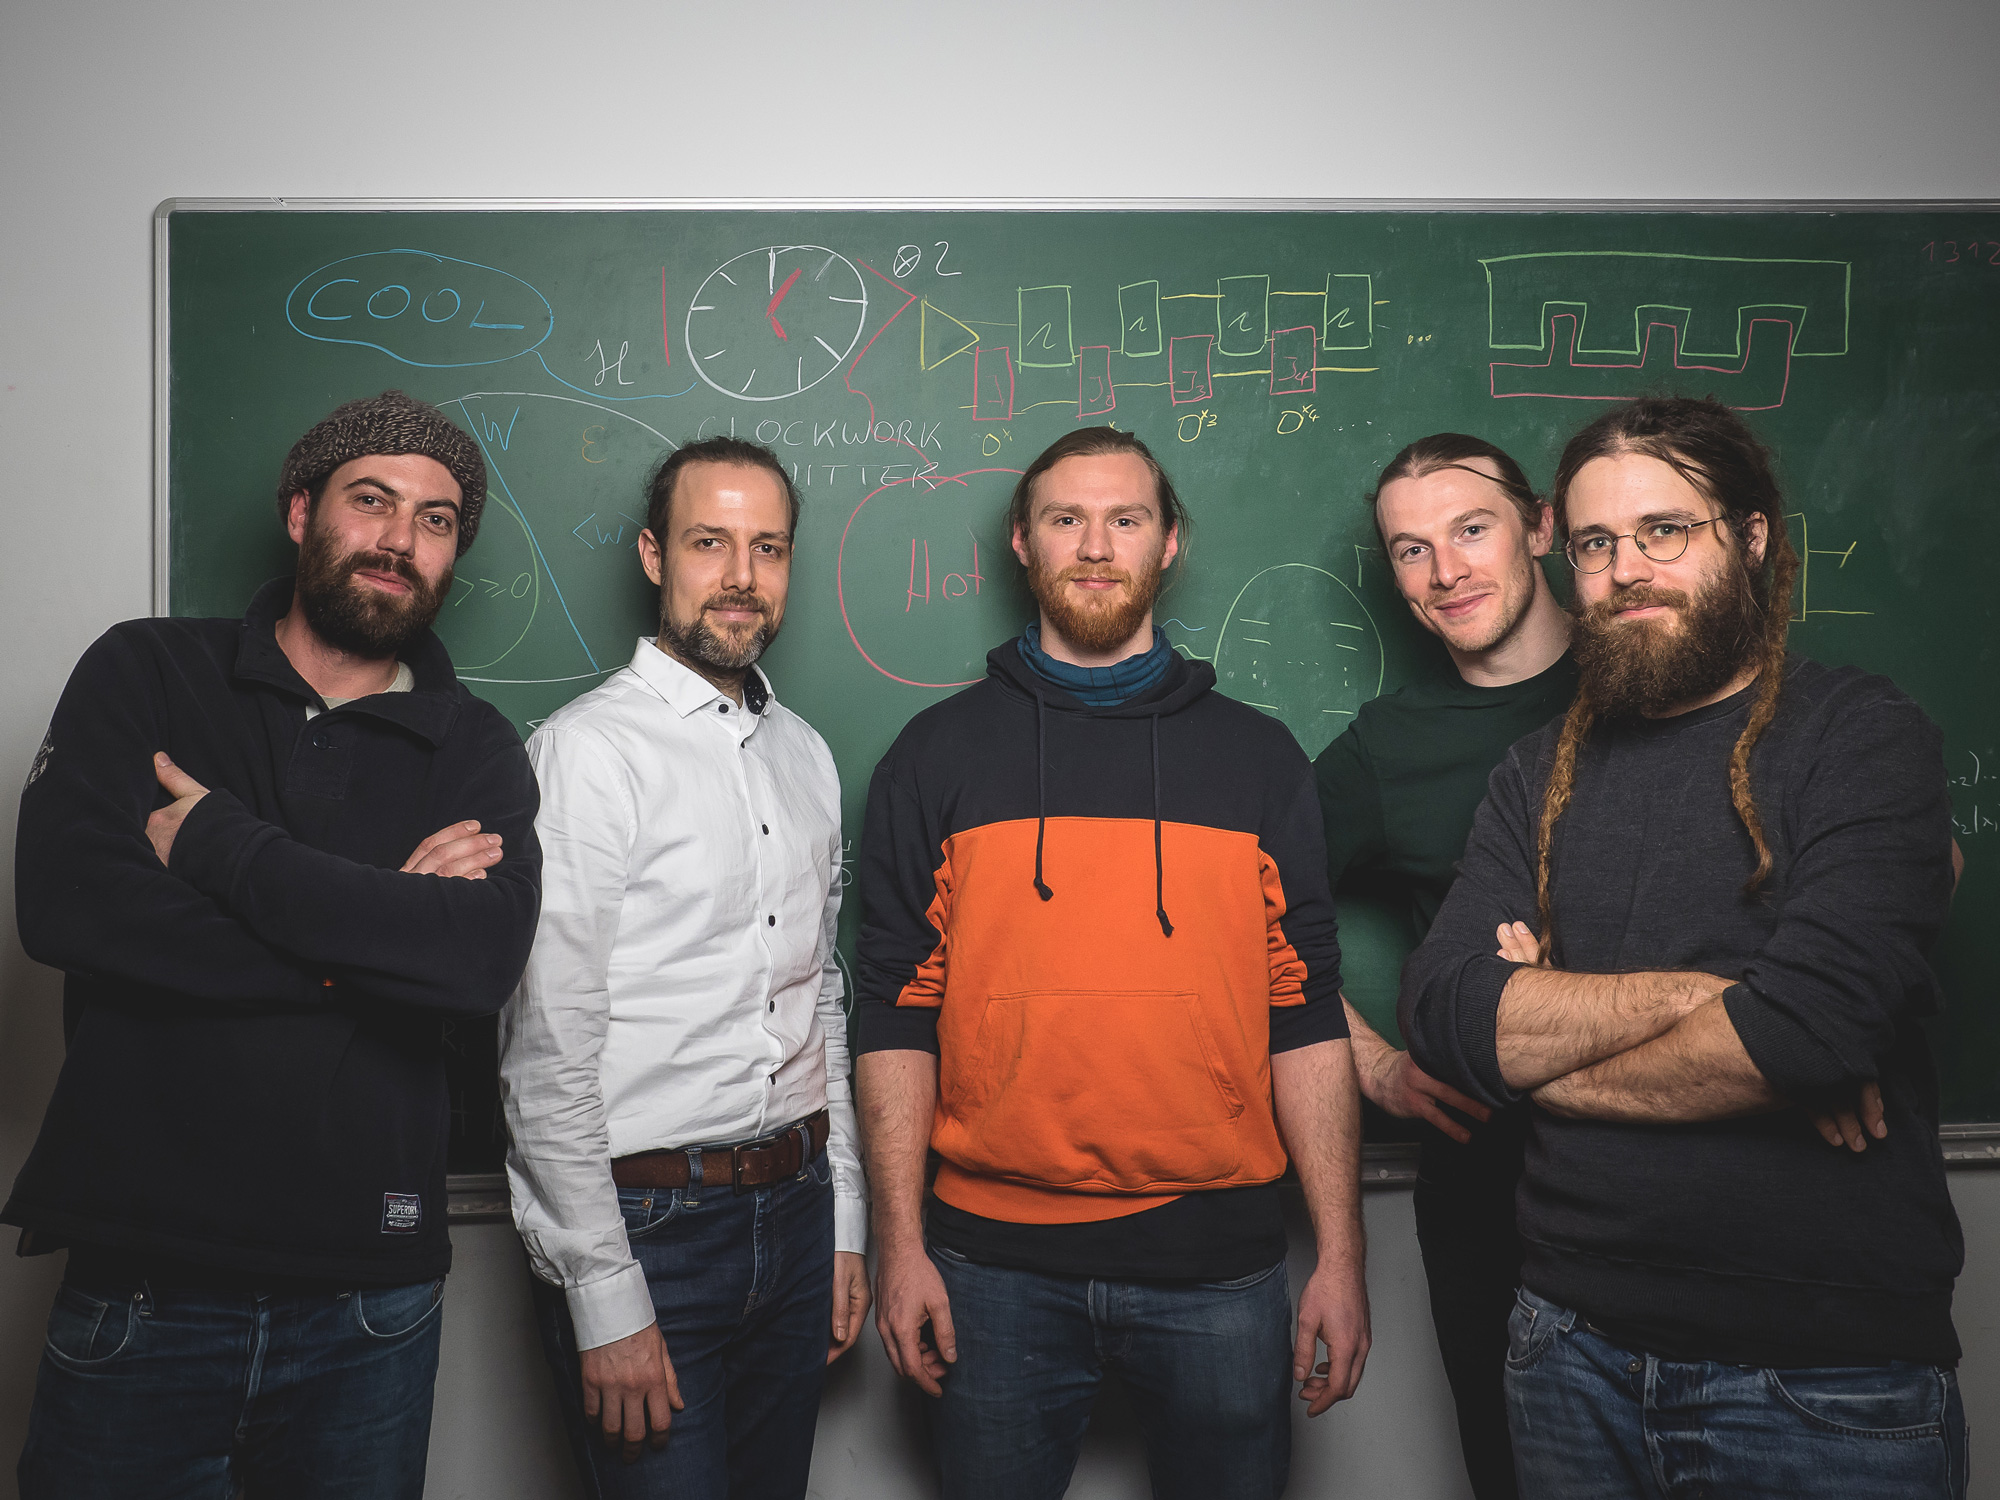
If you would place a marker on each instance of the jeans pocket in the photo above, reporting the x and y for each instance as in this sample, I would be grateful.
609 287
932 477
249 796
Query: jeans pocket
1887 1401
1531 1328
87 1332
1243 1283
391 1312
647 1210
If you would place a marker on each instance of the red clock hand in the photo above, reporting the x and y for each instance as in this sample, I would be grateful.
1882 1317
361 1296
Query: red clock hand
771 312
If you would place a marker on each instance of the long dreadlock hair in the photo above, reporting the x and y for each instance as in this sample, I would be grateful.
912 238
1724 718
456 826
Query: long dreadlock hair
1714 450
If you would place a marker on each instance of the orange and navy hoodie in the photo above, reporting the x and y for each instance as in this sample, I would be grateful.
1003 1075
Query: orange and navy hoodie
1104 921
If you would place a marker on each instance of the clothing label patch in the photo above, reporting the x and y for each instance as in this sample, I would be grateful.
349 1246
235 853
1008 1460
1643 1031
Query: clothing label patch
401 1213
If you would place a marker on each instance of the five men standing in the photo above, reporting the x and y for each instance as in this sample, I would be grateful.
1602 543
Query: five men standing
1098 983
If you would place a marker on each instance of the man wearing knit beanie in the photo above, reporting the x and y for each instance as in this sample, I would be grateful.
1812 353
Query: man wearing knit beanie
273 856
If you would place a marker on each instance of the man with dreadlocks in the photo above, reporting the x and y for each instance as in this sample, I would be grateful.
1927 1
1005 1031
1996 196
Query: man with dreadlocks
1736 861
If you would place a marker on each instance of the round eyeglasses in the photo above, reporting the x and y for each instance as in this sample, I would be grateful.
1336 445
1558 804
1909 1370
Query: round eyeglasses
1661 541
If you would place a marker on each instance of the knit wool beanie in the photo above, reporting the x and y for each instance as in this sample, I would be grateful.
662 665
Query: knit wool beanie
389 424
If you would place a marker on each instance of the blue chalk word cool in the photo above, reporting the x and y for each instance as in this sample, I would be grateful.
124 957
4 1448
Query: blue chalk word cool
423 309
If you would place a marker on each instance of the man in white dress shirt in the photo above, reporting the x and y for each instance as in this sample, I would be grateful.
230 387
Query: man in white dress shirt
684 1168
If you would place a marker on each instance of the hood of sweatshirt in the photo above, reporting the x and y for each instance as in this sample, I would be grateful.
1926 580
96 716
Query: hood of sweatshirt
1184 683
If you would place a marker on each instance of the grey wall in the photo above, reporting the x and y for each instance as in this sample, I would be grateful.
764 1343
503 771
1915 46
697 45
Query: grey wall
107 108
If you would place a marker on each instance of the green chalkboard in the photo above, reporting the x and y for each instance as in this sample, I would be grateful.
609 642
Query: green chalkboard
910 360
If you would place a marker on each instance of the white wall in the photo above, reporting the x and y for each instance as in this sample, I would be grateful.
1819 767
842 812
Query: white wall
107 108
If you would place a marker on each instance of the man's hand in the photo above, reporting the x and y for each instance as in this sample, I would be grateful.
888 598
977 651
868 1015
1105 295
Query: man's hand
166 821
458 849
1852 1127
1333 1310
1518 944
850 1301
630 1391
1395 1084
908 1294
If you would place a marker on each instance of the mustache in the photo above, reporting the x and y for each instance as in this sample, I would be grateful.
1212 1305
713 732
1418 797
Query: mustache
1087 570
1635 596
381 562
735 601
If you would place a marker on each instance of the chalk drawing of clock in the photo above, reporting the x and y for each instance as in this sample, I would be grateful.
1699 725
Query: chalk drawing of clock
776 321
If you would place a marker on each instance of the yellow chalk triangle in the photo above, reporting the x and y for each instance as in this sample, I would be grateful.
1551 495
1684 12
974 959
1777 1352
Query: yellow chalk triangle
939 336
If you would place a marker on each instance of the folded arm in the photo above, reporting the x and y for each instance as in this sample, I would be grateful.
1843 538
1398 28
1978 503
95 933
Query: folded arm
91 895
1695 1070
456 946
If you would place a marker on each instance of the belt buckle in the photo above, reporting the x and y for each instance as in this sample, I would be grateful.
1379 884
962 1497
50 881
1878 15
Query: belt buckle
736 1168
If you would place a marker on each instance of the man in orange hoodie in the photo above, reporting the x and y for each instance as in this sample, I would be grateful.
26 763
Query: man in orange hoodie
1098 975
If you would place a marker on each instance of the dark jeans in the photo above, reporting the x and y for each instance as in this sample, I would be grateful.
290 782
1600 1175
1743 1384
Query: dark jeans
1210 1364
151 1390
1464 1202
1594 1421
743 1287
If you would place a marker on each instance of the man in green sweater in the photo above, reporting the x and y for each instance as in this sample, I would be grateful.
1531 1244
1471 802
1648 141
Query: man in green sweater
1464 532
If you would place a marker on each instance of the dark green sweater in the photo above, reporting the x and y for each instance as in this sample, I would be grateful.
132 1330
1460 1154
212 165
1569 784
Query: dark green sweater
1397 791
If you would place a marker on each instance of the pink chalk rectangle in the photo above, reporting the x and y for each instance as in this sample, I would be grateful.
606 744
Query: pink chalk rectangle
992 384
1188 357
1294 358
1095 395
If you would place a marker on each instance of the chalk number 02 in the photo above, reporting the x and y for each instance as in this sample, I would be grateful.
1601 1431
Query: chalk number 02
910 258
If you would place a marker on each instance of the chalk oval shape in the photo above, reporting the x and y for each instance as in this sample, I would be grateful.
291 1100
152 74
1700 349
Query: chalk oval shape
495 316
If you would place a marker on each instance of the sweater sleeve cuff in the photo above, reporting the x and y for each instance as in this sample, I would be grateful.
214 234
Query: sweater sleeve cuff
1793 1061
217 834
1480 984
1296 1026
616 1307
850 1224
895 1028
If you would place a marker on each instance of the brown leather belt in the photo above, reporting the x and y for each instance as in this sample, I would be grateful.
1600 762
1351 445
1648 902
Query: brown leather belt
753 1164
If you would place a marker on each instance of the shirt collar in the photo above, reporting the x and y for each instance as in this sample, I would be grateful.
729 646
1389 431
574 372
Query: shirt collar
686 691
428 709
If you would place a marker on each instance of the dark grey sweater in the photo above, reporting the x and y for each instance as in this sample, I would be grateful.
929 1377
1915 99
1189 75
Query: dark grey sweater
1746 1240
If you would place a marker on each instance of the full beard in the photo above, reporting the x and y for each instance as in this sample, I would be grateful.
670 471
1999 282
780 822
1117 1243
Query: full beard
355 618
699 642
1095 624
1642 668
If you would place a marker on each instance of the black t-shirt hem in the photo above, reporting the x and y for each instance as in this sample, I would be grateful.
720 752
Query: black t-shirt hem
1222 1235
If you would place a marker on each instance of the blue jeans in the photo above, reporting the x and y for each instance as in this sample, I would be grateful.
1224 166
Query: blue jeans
1592 1421
1210 1364
742 1285
156 1391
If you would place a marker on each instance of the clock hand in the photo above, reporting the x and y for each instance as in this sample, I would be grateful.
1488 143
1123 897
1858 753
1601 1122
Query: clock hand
771 312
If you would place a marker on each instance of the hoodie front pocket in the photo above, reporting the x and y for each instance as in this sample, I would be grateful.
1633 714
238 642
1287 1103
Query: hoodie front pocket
1124 1090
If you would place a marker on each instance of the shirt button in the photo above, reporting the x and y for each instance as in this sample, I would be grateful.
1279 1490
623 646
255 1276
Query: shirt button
774 1005
765 826
771 921
722 708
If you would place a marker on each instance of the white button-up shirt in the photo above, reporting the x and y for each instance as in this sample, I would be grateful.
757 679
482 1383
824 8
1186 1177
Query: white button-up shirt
683 988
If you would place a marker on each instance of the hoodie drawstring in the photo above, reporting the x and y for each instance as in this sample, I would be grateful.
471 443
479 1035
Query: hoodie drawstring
1042 815
1041 795
1159 859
